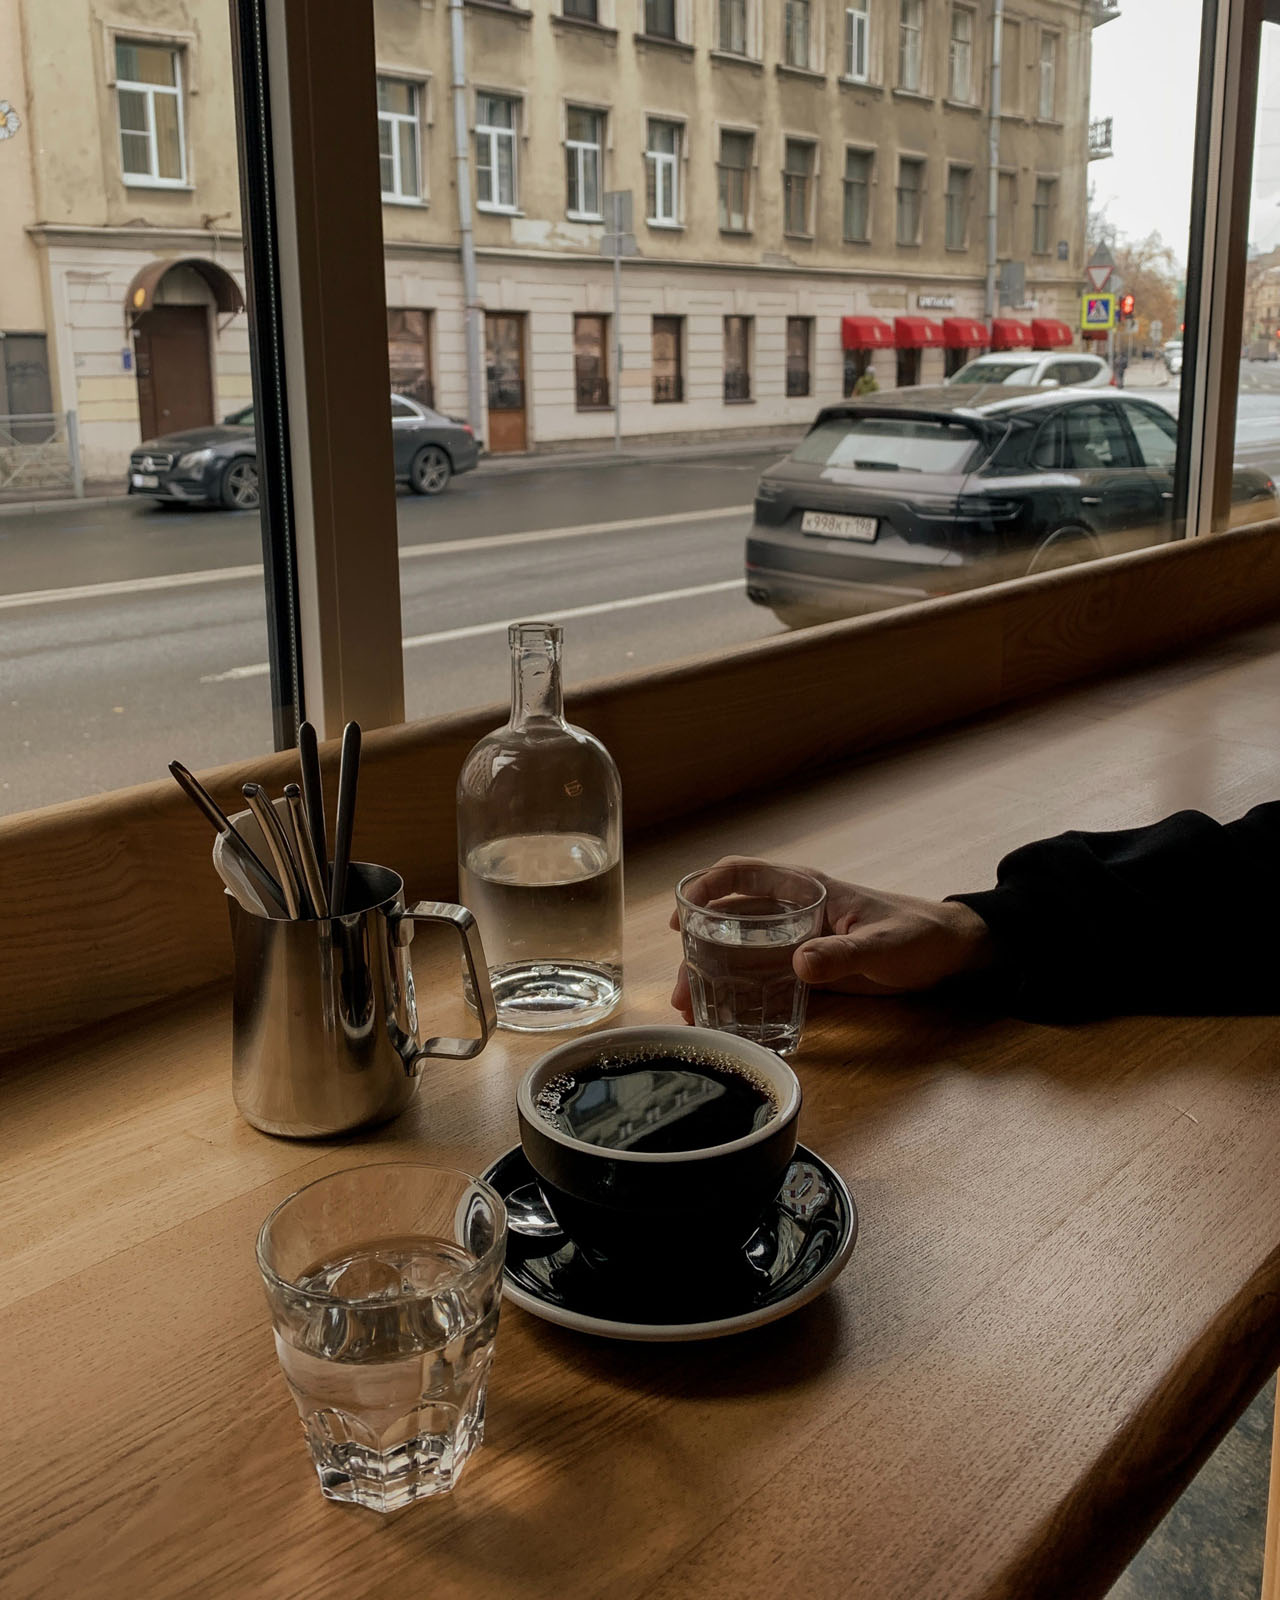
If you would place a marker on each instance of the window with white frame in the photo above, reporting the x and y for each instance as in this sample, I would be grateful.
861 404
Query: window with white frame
584 152
958 208
910 199
149 102
398 139
734 173
798 158
910 44
496 116
857 196
960 57
662 173
857 41
1048 74
797 33
732 31
1042 216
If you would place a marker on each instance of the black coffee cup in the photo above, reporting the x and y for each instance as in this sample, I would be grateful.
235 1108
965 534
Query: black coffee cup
622 1204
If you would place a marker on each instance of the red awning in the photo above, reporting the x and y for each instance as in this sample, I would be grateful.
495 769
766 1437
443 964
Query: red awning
1051 335
916 333
865 333
962 333
1007 333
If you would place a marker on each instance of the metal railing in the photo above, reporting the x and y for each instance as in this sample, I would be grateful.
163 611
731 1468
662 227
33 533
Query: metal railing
1100 138
40 451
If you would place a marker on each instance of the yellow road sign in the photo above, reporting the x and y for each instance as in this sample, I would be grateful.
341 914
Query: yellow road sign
1097 312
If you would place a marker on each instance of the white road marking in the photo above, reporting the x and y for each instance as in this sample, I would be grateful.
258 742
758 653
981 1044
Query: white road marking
259 669
410 552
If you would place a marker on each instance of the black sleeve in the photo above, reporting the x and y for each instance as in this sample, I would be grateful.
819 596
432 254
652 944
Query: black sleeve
1181 918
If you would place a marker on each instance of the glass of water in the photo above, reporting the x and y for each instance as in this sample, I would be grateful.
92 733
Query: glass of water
741 923
384 1283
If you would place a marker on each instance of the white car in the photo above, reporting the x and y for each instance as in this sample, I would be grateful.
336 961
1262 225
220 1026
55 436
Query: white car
1032 369
1172 352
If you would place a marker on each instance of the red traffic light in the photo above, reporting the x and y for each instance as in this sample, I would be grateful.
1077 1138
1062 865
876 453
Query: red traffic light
1126 305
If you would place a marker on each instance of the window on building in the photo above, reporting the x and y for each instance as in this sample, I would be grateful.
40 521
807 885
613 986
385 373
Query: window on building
797 39
857 41
736 151
1048 108
737 358
662 173
149 99
958 208
1006 206
960 59
660 18
907 364
1042 216
797 186
910 44
668 360
583 145
910 198
799 349
584 10
857 196
591 363
1011 67
732 32
398 125
495 152
409 353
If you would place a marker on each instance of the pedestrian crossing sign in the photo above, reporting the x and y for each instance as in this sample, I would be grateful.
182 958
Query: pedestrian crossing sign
1097 312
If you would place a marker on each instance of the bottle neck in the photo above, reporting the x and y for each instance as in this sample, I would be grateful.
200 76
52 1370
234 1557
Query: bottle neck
536 693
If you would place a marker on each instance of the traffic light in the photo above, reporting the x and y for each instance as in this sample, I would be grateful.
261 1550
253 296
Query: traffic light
1126 305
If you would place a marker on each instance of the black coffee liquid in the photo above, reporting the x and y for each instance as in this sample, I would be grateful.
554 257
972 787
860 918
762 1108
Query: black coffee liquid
657 1101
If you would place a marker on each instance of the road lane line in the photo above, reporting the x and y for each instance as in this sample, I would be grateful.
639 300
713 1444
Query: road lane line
409 552
259 669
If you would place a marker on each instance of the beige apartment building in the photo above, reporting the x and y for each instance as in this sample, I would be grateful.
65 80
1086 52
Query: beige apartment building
809 196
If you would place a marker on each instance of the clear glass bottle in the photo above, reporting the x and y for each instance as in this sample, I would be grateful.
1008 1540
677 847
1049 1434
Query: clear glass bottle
540 851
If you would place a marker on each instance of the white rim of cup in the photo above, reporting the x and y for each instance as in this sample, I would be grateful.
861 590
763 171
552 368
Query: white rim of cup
323 1295
711 1040
756 916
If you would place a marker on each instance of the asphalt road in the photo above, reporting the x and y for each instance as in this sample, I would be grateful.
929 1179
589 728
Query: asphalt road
131 634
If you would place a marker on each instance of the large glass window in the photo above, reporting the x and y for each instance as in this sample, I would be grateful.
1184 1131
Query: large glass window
583 161
149 103
660 18
732 26
798 33
591 362
857 41
662 173
797 185
409 353
668 360
799 356
398 134
736 151
960 58
857 195
910 200
910 44
496 152
737 358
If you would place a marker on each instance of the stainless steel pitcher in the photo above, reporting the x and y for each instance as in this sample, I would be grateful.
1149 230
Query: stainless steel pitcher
324 1016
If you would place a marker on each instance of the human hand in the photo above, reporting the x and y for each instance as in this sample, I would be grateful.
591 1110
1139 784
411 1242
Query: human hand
872 942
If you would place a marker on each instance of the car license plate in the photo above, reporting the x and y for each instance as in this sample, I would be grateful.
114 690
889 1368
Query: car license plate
145 480
831 526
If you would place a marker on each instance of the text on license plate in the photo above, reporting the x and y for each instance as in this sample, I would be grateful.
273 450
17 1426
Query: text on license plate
834 527
145 480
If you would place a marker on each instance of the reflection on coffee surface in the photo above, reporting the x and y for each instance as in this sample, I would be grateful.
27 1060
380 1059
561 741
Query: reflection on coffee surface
657 1101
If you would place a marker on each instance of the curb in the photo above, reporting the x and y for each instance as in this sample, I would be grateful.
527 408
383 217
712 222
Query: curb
13 508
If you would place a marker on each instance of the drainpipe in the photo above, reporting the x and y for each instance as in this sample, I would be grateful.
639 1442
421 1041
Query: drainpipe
462 161
993 158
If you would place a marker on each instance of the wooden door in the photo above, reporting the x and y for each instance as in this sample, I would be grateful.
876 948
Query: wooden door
504 366
175 375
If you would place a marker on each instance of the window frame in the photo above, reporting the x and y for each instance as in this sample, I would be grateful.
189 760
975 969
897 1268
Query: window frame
606 377
954 93
746 325
870 156
655 162
394 119
748 187
750 42
581 147
493 132
949 243
792 9
857 30
919 164
679 397
796 393
151 180
808 193
1048 36
1042 214
906 32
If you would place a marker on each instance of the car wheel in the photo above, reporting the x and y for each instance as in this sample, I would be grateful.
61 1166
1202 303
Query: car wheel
238 489
430 470
1065 547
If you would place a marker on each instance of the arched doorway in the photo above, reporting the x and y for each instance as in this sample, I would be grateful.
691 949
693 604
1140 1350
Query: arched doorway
170 306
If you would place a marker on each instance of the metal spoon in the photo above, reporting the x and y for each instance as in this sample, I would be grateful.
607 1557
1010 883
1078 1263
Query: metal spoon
529 1214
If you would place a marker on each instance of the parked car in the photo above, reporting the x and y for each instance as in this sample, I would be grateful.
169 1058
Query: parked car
923 492
1031 368
218 465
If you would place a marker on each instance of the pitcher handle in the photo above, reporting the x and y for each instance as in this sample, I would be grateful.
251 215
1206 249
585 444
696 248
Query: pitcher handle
460 919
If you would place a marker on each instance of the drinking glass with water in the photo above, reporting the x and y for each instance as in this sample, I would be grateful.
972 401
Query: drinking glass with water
384 1284
741 923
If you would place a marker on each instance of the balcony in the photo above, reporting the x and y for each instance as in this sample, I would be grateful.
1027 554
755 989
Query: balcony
1104 11
1100 139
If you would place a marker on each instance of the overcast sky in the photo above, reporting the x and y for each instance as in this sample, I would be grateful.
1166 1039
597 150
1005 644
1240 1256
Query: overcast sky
1145 67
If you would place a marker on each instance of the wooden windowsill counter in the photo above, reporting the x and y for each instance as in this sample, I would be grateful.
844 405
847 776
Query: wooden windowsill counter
1065 1288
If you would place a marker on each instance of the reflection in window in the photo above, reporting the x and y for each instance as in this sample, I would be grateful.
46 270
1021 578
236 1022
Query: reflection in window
398 124
590 362
582 145
910 44
890 444
960 60
409 353
797 176
662 172
958 208
799 345
733 26
495 152
149 101
857 30
737 358
1156 433
910 192
734 174
857 196
668 362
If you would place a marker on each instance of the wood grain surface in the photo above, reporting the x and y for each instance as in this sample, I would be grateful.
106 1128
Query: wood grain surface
1066 1287
119 907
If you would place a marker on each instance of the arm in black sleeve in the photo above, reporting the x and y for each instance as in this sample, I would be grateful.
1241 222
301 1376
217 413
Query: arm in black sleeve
1182 917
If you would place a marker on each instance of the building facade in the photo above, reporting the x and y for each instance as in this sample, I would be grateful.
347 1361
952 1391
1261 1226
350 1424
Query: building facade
808 183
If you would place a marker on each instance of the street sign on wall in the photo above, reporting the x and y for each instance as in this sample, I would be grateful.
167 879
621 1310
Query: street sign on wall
1097 312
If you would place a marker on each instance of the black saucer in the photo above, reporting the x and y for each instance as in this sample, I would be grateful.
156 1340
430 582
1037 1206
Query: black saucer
802 1243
